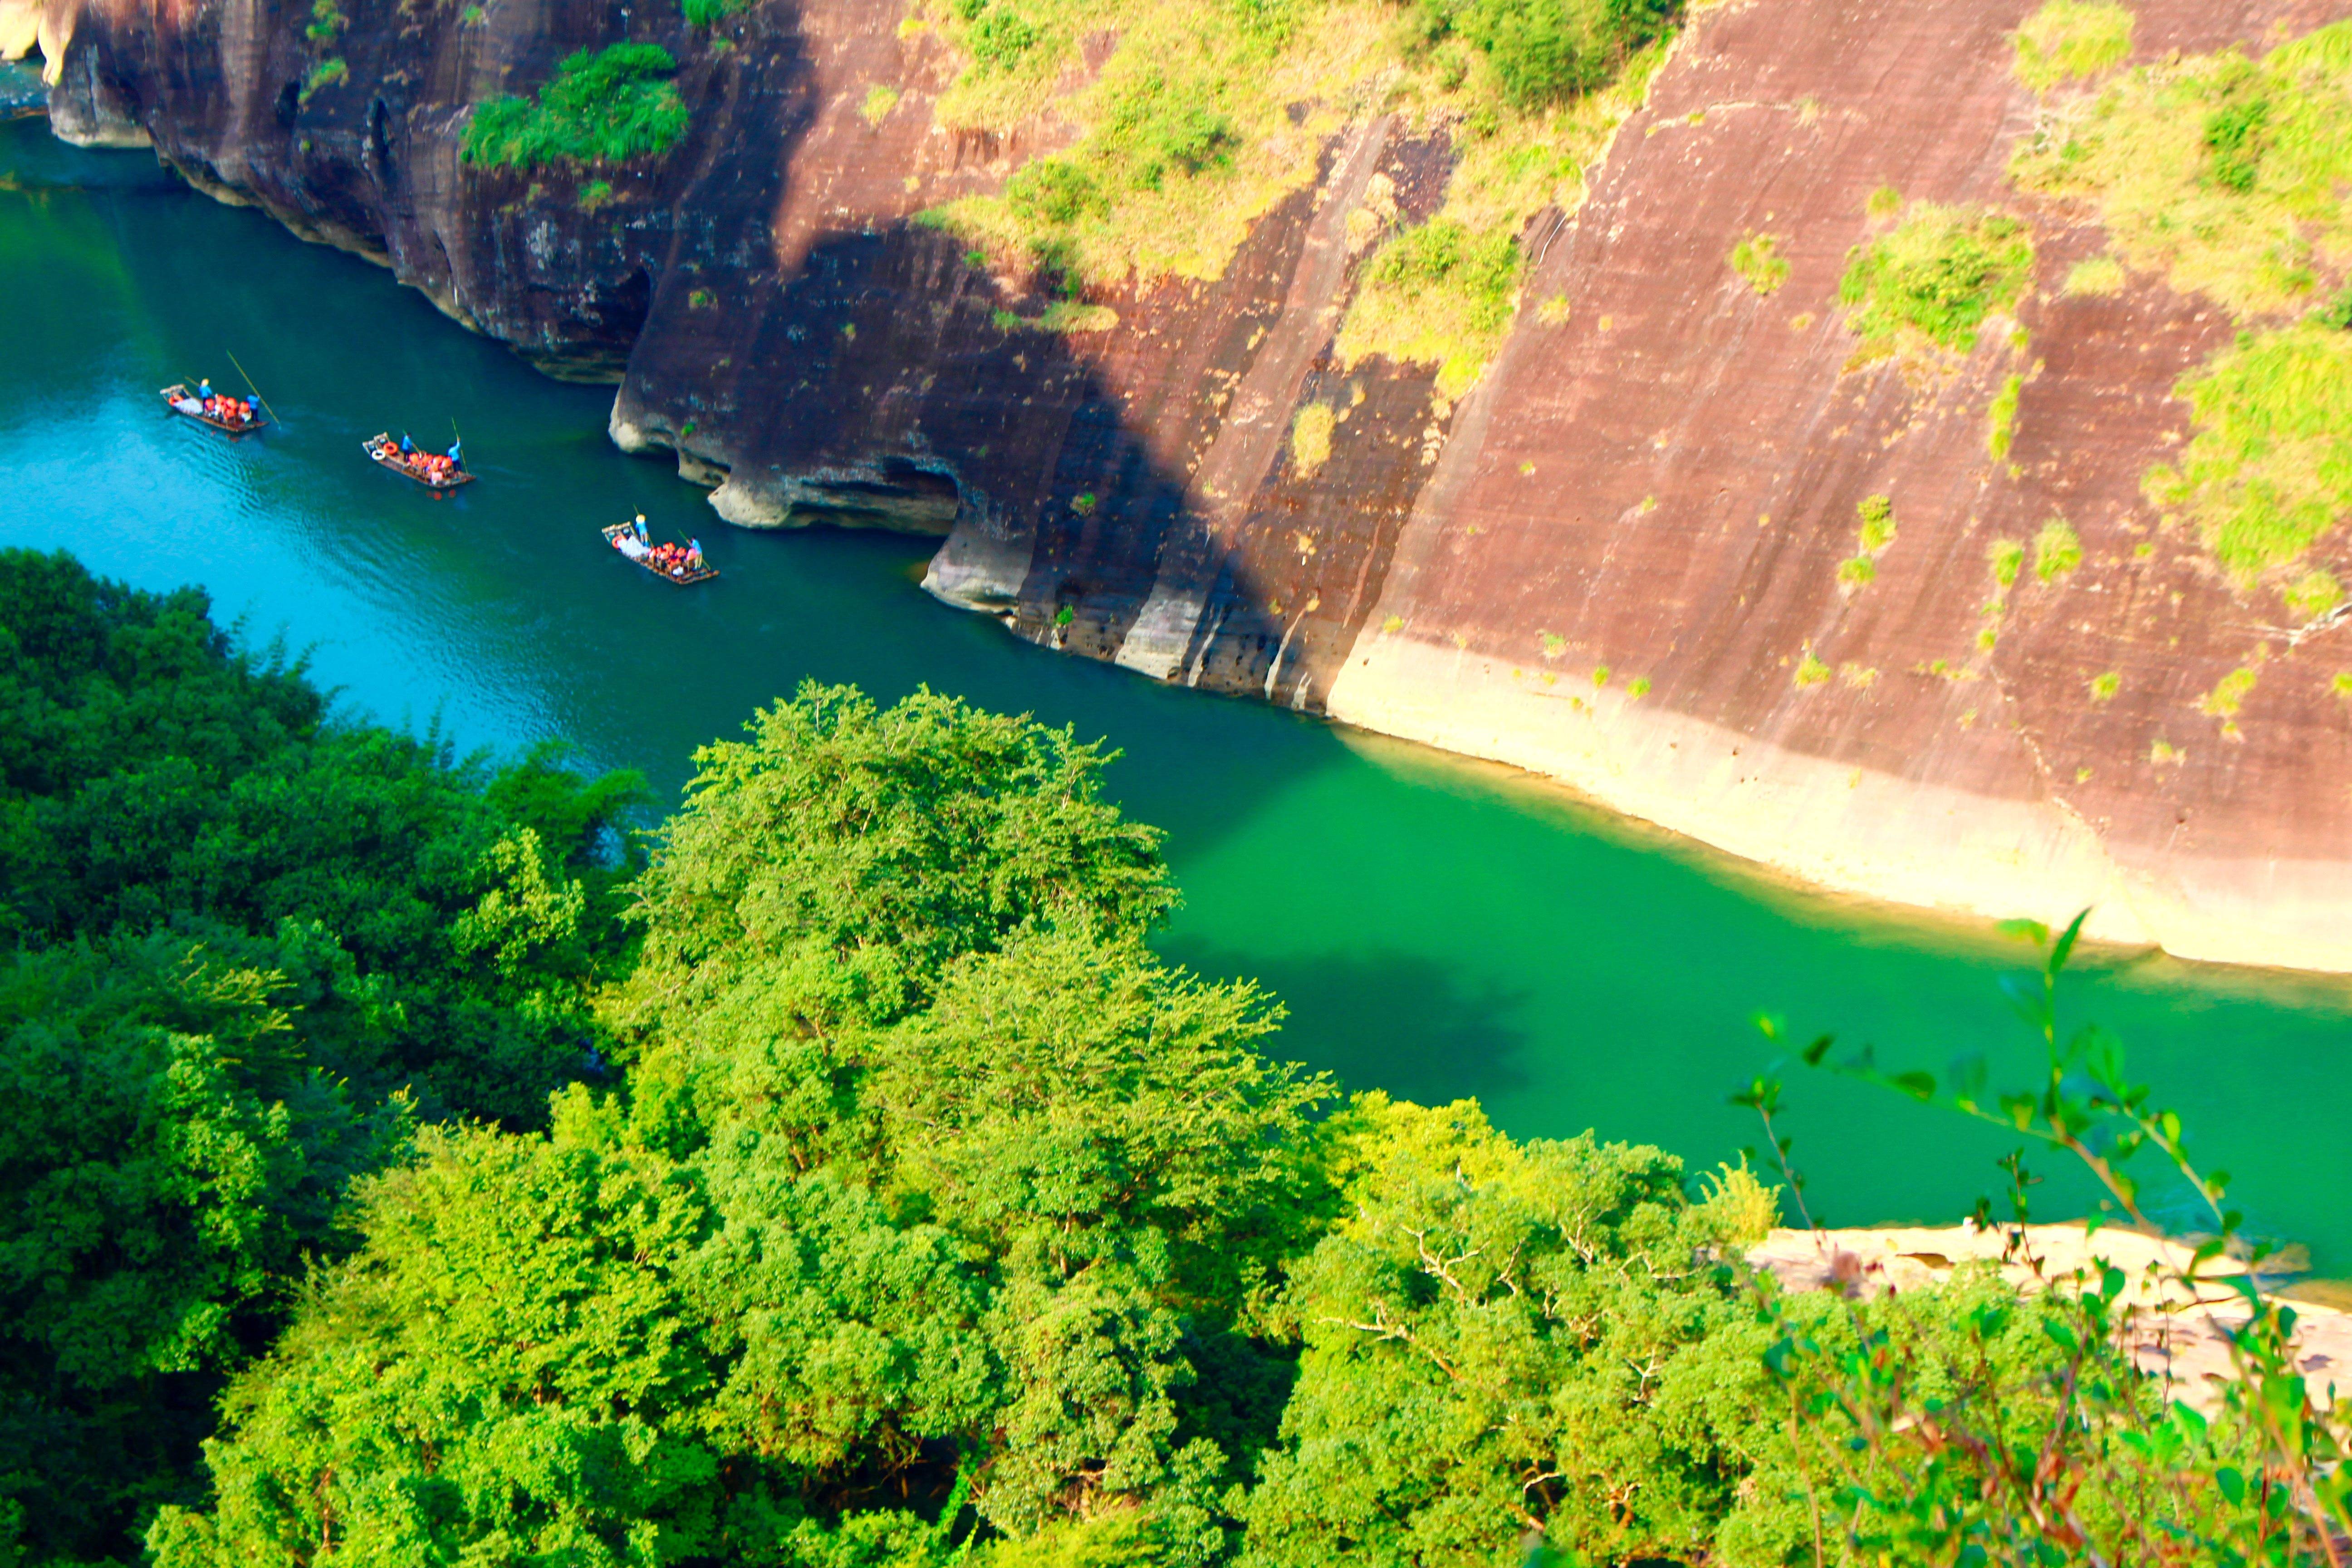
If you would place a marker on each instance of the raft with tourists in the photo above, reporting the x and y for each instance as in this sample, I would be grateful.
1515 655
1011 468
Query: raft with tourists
231 416
681 565
439 472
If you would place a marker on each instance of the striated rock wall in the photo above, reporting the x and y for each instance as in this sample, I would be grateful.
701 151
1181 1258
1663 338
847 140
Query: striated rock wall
1653 483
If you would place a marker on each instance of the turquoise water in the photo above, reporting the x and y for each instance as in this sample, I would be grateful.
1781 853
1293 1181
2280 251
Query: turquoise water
1437 928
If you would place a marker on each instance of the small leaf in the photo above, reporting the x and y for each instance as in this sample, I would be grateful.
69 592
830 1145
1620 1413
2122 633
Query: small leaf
2033 931
2066 943
1918 1085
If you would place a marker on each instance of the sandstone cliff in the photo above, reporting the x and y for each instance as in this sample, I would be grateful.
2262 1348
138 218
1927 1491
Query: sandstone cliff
1616 559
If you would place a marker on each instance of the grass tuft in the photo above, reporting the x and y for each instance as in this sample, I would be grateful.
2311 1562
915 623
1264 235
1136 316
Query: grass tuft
2057 550
1811 671
2313 595
2097 275
2229 694
2105 686
880 102
1310 439
1934 278
613 107
2007 557
2068 38
1758 259
2001 419
1877 515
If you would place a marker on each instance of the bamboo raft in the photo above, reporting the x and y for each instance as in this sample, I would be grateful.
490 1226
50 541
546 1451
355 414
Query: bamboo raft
387 452
178 393
682 577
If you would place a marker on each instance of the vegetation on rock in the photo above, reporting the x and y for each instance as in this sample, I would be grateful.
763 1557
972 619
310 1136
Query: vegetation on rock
1203 119
1933 279
2069 39
2226 176
612 106
2269 469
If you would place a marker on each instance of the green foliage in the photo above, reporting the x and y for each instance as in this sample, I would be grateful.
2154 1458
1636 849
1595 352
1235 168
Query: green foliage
1439 293
327 21
2057 550
927 1169
2269 469
935 1220
614 107
2068 38
1544 51
2229 694
2313 595
2338 312
1876 514
1976 1423
240 939
1493 1336
2000 420
708 13
329 72
1934 278
2225 176
1757 258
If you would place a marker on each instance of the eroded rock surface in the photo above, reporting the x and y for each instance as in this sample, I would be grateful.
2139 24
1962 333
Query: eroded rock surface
1610 563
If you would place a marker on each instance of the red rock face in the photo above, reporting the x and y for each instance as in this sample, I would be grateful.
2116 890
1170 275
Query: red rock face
1660 482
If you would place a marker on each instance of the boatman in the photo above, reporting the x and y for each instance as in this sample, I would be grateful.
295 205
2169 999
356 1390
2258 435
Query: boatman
455 459
205 389
407 447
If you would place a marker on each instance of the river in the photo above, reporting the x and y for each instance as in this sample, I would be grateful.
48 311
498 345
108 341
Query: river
1436 928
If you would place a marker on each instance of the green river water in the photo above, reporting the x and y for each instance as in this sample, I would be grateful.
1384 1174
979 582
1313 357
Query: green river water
1437 928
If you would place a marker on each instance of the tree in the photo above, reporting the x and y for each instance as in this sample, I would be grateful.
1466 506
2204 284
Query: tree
946 1172
1490 1338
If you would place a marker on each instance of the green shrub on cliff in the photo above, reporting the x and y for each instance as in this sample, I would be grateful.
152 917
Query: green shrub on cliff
2269 471
1439 294
2227 175
2069 39
599 108
2232 177
1204 117
1934 278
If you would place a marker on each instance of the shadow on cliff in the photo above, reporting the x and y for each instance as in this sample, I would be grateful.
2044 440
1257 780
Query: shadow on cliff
891 376
1390 1020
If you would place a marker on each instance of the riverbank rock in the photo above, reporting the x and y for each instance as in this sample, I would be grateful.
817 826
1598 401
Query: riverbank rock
2176 1333
1623 559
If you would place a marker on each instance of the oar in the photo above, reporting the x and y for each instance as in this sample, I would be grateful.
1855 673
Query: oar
255 390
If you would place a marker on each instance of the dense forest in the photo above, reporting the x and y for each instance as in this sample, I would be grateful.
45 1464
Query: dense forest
412 1159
